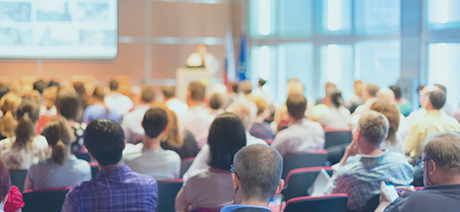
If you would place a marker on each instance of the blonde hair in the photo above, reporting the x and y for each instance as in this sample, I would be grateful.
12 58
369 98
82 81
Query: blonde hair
32 95
261 103
444 149
174 135
9 105
50 95
391 111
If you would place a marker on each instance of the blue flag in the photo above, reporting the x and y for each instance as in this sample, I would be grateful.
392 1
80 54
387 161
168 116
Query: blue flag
242 65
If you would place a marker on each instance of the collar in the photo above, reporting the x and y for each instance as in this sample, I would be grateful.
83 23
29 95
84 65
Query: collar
434 112
230 208
112 171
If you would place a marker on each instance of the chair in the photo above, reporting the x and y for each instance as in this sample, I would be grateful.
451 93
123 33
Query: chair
334 138
83 156
329 203
17 178
298 181
50 200
185 164
94 169
372 204
335 153
167 191
304 160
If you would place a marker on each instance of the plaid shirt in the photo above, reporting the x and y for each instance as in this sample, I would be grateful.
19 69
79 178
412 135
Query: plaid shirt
114 189
361 176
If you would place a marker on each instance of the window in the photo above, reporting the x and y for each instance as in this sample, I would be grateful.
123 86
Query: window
262 18
263 65
296 18
335 17
443 14
377 17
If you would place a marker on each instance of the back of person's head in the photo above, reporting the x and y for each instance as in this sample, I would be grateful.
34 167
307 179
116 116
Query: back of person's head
336 98
296 106
226 137
245 110
59 135
99 93
216 100
27 115
10 102
168 91
245 87
444 149
437 98
54 83
105 141
50 94
5 182
32 95
373 127
9 106
113 85
40 86
258 169
262 82
358 86
397 91
197 91
3 90
148 94
260 102
441 86
174 136
80 88
294 87
155 122
372 89
233 87
330 87
391 111
68 104
386 94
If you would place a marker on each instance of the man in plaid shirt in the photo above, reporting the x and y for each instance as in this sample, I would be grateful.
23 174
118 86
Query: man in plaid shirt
115 187
365 164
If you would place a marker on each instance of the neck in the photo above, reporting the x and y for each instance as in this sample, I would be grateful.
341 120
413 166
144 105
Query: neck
192 103
142 103
259 119
254 202
152 143
114 92
167 99
111 166
450 179
371 150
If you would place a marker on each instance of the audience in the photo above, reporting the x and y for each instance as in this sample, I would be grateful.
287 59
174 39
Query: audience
9 105
80 88
68 106
33 96
245 88
302 135
441 165
98 109
5 187
24 148
62 169
131 122
49 107
405 106
215 104
328 89
117 100
335 114
39 86
369 94
149 158
446 108
356 100
115 187
365 164
260 128
212 188
173 103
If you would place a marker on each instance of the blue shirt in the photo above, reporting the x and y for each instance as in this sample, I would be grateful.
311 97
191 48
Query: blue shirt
230 208
94 112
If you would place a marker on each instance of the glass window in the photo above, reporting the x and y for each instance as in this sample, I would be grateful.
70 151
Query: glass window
295 61
337 66
335 17
378 62
443 67
263 65
296 18
262 18
377 17
443 14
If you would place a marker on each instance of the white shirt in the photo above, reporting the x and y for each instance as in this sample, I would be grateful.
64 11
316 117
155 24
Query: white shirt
336 118
197 120
23 158
132 124
121 103
177 106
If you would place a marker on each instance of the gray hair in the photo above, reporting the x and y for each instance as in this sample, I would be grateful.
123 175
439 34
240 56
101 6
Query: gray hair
244 109
374 127
444 149
258 168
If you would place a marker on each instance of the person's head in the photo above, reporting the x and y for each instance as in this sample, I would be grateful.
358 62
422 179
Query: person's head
441 86
40 86
27 117
9 106
245 110
80 88
196 92
49 95
68 104
5 182
391 111
59 135
215 101
441 157
113 85
294 87
168 91
370 91
174 136
386 94
155 122
434 98
105 141
99 93
32 95
257 173
329 88
245 87
296 106
3 90
336 98
10 102
233 87
148 94
358 86
226 137
260 102
201 48
372 129
397 91
54 83
261 82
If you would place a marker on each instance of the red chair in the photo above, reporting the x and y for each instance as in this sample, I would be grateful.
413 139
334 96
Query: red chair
18 177
305 160
335 138
167 191
185 164
298 181
329 203
50 200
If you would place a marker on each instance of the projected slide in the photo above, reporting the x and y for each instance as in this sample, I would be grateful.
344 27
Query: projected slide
58 29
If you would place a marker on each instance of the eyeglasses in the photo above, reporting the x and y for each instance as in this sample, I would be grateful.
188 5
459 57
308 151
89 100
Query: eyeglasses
421 162
232 169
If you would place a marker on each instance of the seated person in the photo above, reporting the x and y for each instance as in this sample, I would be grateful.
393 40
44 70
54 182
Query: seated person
260 128
365 164
62 169
150 158
332 114
441 166
256 178
10 196
99 110
212 188
115 186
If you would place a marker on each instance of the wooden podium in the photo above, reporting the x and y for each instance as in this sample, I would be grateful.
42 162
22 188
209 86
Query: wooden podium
186 75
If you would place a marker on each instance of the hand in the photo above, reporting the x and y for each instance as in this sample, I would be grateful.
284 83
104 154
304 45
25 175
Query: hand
384 197
352 149
403 190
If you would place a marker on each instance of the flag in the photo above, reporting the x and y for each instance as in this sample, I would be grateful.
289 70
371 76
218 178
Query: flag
242 65
229 69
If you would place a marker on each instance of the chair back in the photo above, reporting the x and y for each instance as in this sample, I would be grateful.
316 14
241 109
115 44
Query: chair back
94 169
18 177
50 200
372 204
185 164
298 181
83 156
329 203
334 138
304 160
167 191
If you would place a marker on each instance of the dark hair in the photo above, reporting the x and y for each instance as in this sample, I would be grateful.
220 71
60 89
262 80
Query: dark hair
99 92
80 88
262 82
155 121
68 104
197 91
372 89
54 83
105 141
259 169
437 98
5 181
336 98
113 85
3 90
27 114
40 86
216 100
441 86
168 91
396 90
296 105
148 94
226 137
58 134
233 87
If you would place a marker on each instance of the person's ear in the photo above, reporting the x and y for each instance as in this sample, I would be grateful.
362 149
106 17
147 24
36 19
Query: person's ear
235 181
431 168
280 187
124 145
